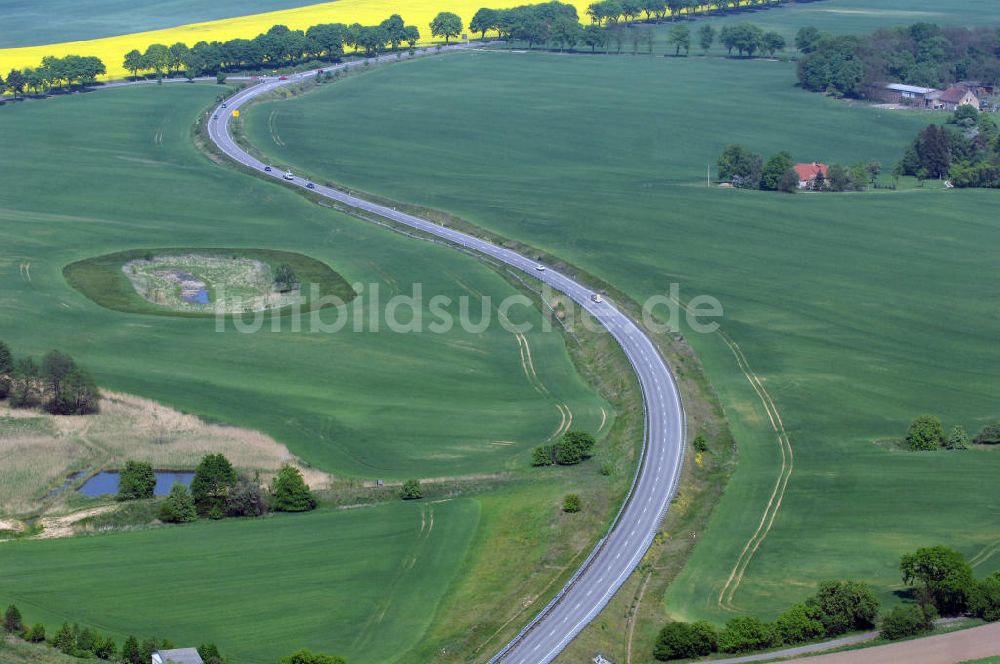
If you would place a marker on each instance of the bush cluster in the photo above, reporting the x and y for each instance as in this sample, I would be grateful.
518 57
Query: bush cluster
56 384
926 433
218 491
572 448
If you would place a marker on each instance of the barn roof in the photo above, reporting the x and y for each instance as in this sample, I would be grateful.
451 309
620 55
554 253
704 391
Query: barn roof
808 172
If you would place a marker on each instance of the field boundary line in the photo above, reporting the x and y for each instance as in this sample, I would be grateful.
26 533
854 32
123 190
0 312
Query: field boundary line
732 584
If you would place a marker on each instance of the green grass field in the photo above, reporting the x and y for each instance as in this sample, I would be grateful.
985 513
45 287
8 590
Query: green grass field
28 23
858 312
363 583
367 404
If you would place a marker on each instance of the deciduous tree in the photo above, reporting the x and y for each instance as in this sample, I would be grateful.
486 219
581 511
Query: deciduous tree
134 62
706 37
15 82
483 21
447 25
411 490
925 433
680 37
213 478
946 579
774 171
845 606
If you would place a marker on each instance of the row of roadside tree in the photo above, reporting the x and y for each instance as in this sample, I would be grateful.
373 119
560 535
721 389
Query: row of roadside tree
552 23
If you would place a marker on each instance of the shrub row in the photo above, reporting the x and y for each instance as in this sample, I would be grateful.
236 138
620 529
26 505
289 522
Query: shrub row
572 448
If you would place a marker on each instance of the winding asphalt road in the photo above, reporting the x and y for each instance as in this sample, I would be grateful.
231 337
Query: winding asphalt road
618 554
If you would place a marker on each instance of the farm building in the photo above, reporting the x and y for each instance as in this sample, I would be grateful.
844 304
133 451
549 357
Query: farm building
807 173
899 93
177 656
952 98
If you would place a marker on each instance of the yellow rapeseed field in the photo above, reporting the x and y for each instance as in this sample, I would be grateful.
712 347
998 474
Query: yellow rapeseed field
112 50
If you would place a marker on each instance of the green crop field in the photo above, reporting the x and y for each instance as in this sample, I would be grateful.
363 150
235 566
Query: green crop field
363 583
117 170
27 23
858 312
861 16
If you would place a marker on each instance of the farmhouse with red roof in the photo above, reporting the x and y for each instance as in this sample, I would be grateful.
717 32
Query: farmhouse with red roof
807 173
952 98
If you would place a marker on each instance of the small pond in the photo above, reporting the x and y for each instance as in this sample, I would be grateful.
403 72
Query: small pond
106 482
199 296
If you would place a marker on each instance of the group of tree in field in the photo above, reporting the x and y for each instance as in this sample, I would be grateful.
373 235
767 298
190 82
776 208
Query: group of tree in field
926 433
746 169
572 448
941 583
53 72
922 54
56 384
85 643
218 491
965 151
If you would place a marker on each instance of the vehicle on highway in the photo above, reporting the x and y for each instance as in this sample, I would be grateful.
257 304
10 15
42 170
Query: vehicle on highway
282 78
267 169
288 175
596 297
215 117
224 105
540 268
310 185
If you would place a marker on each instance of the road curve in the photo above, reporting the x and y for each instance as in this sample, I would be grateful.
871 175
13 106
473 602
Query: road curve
618 554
